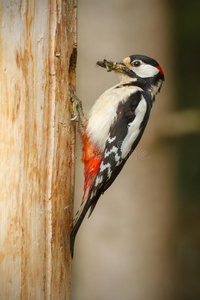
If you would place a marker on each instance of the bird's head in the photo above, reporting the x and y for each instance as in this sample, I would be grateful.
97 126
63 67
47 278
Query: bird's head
138 68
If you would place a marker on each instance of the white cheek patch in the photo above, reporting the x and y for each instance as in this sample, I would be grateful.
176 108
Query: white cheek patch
145 71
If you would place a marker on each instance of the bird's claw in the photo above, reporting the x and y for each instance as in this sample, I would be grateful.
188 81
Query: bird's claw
76 105
74 118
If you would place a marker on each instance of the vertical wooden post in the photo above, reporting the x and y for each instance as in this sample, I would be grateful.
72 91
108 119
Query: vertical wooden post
37 64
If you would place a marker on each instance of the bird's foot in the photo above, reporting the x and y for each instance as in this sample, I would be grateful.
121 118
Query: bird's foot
77 111
77 108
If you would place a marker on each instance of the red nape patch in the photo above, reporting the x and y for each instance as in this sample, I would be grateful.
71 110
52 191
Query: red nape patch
91 158
160 69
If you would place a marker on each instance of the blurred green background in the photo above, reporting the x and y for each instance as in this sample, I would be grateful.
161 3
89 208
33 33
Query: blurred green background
186 34
143 239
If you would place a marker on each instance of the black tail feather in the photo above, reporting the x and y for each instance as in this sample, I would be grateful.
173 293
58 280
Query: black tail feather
92 208
76 228
80 215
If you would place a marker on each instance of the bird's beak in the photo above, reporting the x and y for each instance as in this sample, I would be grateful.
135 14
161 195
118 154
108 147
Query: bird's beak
113 66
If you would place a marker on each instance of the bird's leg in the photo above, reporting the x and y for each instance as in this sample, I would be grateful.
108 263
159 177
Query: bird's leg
77 110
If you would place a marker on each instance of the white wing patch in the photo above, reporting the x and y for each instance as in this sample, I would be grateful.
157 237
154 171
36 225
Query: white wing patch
134 128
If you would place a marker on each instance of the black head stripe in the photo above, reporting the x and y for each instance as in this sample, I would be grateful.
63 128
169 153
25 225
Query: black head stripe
145 59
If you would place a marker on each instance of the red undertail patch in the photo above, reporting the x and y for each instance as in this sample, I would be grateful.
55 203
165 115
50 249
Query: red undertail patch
91 158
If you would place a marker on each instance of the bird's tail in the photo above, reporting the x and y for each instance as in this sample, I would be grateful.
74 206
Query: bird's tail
80 215
78 219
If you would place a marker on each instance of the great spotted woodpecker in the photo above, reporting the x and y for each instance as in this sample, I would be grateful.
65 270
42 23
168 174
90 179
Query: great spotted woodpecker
114 127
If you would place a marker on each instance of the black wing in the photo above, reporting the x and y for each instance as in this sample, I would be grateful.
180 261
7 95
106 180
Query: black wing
112 162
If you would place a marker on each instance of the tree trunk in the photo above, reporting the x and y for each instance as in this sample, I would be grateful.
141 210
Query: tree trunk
37 143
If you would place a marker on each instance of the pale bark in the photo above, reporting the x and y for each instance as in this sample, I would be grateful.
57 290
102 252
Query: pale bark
37 143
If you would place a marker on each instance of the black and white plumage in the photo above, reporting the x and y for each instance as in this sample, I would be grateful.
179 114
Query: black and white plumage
116 123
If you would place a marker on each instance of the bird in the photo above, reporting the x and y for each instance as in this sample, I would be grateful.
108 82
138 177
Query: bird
114 126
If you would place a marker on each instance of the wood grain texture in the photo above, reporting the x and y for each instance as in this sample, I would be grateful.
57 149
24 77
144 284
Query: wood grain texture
37 143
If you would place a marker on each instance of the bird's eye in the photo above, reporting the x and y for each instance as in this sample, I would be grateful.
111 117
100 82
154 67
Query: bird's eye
136 63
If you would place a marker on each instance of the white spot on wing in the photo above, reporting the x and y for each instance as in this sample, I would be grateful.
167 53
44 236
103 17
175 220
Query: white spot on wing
117 158
112 150
103 167
93 194
134 128
98 180
113 153
110 140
